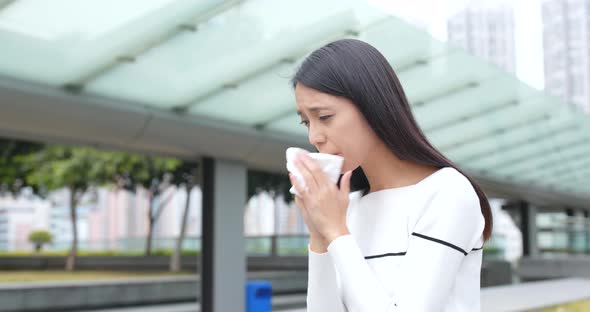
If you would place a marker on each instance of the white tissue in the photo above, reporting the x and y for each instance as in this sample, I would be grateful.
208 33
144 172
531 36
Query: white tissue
330 164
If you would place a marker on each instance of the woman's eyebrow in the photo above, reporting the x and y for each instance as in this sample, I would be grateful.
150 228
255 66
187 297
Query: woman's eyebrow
314 109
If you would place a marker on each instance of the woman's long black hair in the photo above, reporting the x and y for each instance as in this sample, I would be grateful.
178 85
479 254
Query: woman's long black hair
356 70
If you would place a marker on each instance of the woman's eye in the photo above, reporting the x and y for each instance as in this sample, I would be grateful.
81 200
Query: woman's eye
322 118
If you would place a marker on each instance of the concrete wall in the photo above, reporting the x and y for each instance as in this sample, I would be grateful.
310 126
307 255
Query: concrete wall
74 296
531 269
140 263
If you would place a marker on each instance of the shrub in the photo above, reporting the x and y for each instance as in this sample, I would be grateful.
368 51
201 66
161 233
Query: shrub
40 238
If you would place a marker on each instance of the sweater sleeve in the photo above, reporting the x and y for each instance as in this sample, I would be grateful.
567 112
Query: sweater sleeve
323 290
447 230
322 286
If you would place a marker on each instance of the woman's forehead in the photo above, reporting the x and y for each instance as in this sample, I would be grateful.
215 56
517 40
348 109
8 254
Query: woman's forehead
312 100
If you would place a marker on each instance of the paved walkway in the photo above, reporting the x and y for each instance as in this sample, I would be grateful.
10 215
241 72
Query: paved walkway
284 303
534 295
517 297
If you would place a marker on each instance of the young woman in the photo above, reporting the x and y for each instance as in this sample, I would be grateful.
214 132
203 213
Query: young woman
413 241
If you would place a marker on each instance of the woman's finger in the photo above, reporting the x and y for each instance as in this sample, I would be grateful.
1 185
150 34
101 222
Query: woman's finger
315 170
299 203
310 182
298 186
345 182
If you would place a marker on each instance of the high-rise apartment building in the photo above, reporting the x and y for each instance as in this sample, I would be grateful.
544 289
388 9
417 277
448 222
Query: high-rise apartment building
486 30
566 50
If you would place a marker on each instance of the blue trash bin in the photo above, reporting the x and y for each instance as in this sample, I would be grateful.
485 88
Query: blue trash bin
258 296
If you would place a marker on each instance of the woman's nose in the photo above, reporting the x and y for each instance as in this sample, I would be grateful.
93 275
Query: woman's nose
316 137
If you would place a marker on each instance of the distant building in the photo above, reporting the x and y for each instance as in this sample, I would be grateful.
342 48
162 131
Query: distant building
566 49
18 217
486 30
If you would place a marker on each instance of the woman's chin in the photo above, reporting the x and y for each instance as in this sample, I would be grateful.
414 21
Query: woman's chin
346 167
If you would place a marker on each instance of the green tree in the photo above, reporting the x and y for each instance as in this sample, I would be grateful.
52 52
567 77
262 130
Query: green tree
154 174
13 170
186 175
40 238
274 183
75 168
156 178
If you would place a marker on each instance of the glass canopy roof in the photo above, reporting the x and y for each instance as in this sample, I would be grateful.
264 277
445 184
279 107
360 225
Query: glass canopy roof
231 61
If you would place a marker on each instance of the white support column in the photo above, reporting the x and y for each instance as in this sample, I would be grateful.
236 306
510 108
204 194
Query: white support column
525 215
223 256
531 228
587 230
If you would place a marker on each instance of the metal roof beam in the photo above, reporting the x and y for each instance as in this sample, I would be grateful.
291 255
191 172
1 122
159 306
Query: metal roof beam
149 41
496 131
340 30
406 67
459 119
555 150
539 137
564 160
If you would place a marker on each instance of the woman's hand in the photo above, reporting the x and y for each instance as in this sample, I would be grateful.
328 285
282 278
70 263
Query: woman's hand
322 204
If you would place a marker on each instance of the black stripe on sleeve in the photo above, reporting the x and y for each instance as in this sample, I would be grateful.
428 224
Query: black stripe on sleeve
386 255
474 249
440 242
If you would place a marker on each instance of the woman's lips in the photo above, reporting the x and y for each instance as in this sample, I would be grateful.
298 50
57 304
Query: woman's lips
335 154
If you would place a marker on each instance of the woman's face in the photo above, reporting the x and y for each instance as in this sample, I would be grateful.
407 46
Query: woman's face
335 126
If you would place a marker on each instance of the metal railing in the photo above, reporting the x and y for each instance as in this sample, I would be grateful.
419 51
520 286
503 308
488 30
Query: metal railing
268 245
561 234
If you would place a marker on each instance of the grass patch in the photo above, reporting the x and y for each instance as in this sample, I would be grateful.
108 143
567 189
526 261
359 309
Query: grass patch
40 276
82 253
578 306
